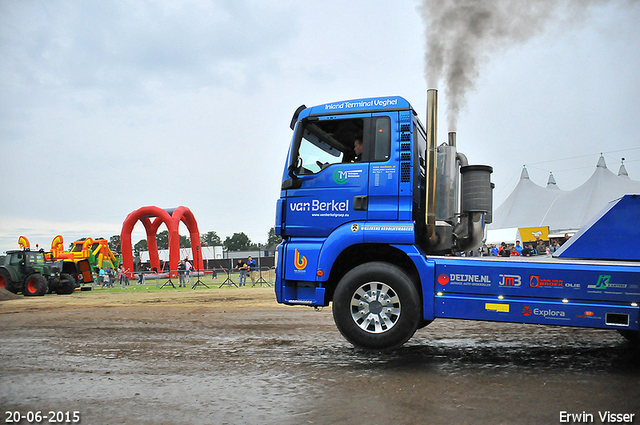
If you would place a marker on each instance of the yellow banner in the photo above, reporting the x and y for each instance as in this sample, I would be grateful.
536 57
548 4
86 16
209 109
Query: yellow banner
532 234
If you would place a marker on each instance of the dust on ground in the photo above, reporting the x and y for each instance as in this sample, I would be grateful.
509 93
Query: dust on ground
236 356
6 295
239 298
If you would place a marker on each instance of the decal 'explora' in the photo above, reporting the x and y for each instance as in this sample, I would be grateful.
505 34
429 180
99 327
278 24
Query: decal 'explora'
528 311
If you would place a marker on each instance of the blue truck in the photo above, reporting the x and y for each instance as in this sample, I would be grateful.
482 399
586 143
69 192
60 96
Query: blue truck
374 217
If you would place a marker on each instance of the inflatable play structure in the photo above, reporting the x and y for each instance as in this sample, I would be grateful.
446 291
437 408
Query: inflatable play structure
171 218
23 242
97 251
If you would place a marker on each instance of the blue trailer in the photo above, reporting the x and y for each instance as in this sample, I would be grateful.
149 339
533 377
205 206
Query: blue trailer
374 216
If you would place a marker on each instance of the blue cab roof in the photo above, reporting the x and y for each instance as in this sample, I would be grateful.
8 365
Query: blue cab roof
358 105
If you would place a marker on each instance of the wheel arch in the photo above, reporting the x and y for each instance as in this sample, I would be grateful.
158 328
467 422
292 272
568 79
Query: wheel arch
356 255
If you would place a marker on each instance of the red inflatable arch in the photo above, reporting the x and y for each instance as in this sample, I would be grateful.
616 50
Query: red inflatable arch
171 218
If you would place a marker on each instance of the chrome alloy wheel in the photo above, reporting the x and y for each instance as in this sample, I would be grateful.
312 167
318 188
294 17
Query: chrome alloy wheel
375 307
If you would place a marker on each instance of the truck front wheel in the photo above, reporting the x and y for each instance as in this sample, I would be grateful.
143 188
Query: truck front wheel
35 285
376 306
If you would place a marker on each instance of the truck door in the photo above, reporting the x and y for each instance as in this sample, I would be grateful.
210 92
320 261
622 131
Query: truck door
331 179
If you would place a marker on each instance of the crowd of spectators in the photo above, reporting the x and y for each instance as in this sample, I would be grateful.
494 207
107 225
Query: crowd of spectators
529 249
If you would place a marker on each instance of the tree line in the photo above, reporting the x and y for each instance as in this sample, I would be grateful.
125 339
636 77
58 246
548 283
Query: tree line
237 242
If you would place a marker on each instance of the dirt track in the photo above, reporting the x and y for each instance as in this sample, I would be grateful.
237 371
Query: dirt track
235 356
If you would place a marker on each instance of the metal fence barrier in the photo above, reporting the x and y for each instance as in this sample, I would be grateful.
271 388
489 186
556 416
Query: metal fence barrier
219 276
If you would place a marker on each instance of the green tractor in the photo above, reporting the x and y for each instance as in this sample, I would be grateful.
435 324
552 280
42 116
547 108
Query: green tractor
28 272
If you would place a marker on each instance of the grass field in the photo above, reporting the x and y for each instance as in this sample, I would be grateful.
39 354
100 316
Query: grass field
164 284
187 299
155 292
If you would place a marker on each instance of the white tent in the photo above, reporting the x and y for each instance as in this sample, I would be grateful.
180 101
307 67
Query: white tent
527 205
573 209
497 236
530 205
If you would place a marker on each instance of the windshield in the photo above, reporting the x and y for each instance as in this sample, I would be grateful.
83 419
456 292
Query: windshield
35 258
327 142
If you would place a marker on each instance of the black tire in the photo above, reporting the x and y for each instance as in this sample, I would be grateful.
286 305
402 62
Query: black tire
67 284
376 306
6 282
424 323
632 336
35 285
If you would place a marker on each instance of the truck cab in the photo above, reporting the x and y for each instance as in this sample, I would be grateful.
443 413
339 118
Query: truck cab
332 198
378 231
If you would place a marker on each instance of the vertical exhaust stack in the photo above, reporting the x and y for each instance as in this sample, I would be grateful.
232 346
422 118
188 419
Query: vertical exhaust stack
458 195
447 183
452 138
430 166
476 203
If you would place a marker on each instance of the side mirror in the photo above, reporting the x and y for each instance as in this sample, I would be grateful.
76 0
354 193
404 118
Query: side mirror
295 116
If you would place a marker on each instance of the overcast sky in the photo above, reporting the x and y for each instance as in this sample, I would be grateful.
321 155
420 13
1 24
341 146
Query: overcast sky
109 106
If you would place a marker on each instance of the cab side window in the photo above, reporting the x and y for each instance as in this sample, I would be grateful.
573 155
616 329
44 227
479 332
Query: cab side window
327 141
381 139
331 140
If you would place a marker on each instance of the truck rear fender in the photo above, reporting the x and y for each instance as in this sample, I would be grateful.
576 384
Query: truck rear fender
426 270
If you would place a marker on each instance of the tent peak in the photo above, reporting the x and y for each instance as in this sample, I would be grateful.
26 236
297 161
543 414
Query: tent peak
551 183
622 172
525 174
601 162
